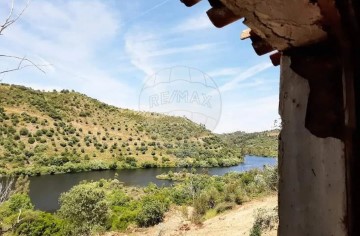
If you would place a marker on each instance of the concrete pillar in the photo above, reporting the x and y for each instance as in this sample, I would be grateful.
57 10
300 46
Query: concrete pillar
312 189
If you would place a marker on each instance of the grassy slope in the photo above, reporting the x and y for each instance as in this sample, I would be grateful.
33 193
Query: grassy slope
51 132
259 144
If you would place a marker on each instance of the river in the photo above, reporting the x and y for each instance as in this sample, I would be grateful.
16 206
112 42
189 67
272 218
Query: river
45 190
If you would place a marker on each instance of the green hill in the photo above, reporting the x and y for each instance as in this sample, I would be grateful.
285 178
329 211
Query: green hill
258 144
58 132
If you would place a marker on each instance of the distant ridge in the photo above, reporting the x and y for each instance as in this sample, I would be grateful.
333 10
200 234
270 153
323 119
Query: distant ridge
59 132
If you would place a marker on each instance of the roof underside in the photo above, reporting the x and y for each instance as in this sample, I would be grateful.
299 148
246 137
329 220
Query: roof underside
275 25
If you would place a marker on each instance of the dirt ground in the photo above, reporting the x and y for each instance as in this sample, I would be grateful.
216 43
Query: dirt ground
236 222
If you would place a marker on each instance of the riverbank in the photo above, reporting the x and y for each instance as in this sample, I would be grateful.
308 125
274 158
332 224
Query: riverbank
45 190
90 166
120 208
175 176
101 166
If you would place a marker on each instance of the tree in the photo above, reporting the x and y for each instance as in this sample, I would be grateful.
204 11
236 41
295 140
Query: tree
24 132
84 207
23 62
152 212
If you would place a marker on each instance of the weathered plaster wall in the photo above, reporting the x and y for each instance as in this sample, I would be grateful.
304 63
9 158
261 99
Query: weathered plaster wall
312 195
283 24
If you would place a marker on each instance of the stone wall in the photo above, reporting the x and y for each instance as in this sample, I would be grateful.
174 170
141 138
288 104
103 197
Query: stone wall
312 195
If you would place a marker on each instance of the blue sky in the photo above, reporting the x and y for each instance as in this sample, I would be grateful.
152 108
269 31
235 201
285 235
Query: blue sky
107 49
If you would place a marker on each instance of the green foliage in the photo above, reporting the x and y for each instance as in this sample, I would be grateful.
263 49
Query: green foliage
257 144
24 132
218 194
10 209
46 124
84 208
255 230
93 207
123 216
117 198
19 201
21 185
31 140
152 211
37 223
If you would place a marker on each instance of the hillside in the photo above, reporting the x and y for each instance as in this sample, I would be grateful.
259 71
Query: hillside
57 132
258 144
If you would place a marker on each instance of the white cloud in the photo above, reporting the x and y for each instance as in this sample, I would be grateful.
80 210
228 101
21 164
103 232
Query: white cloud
248 73
149 53
147 11
92 53
197 22
225 72
70 36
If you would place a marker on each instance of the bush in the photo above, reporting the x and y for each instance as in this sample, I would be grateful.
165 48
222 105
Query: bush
265 219
180 195
31 140
24 132
152 212
19 201
38 223
222 207
84 207
11 207
124 215
271 177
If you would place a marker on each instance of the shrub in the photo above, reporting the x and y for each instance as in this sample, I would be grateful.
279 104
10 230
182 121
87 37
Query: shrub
224 207
124 215
151 213
131 161
19 201
31 140
38 223
24 132
201 204
84 207
117 198
265 219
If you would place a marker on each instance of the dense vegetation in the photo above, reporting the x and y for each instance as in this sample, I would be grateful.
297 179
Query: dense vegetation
107 205
258 144
60 132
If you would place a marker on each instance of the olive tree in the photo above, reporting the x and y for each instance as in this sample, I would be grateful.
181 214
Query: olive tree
84 207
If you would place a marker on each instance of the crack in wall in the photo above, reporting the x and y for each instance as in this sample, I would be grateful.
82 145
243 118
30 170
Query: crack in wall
273 31
287 24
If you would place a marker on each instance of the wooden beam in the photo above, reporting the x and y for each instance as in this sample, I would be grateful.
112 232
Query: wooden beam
261 47
216 3
275 58
190 3
245 34
222 16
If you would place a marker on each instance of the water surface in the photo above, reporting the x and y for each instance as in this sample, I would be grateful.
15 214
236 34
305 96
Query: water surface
45 190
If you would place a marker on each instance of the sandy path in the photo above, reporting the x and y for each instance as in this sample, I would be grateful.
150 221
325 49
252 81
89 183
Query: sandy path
236 222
